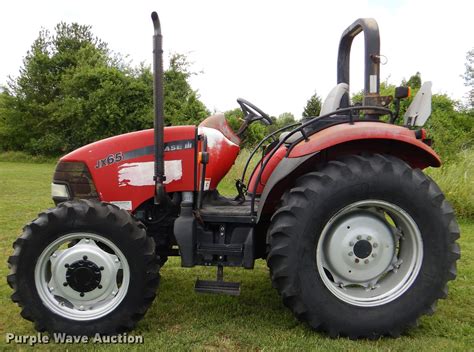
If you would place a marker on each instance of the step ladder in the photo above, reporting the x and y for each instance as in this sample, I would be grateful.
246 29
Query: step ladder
218 286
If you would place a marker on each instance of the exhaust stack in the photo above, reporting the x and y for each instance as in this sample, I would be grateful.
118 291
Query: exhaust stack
158 98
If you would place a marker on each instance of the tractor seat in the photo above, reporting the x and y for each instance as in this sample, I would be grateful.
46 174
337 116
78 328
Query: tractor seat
331 103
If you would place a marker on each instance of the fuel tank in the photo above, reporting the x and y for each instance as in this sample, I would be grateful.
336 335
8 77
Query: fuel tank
122 167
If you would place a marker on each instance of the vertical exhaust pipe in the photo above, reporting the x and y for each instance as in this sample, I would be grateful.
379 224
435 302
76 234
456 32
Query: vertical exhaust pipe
158 98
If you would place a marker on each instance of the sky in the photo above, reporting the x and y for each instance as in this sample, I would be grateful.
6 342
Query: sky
275 54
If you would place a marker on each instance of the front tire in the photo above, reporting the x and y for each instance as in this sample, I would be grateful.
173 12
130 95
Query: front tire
363 246
83 268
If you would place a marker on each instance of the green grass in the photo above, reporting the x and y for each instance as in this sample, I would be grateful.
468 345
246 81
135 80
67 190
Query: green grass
180 319
457 182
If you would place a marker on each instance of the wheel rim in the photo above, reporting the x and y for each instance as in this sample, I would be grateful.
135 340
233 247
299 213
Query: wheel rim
82 276
369 253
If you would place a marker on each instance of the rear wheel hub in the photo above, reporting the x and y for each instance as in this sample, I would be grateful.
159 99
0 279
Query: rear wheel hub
362 249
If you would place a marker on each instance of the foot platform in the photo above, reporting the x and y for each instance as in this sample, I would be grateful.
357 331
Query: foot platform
218 286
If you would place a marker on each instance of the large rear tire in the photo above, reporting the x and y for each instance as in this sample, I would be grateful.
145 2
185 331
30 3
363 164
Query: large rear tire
83 268
363 246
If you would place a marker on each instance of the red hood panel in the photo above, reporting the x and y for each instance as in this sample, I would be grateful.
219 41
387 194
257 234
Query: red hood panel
122 167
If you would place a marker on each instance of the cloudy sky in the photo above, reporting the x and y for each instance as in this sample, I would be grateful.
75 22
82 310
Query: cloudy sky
273 53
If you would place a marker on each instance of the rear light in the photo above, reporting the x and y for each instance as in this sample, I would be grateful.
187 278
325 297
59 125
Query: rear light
74 178
420 134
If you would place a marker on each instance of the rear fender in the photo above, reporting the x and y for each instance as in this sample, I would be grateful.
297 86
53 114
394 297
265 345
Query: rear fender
344 139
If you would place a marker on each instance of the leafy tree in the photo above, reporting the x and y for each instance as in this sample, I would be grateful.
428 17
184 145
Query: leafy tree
73 90
414 82
182 105
284 119
313 106
451 129
254 133
469 77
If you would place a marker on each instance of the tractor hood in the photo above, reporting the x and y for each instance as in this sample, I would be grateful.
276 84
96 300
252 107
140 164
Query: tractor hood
120 168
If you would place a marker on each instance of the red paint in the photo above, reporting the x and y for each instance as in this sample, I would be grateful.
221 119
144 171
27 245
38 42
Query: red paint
222 154
365 132
271 165
106 177
358 131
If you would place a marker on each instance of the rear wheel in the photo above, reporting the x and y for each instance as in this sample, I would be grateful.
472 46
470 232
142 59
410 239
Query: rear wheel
363 247
83 268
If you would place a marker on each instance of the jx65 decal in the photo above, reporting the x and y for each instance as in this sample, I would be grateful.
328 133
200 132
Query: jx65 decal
109 160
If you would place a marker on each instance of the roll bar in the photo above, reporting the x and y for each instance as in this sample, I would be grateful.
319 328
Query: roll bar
372 56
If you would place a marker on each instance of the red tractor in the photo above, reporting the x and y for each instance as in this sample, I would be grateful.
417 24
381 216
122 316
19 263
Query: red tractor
359 241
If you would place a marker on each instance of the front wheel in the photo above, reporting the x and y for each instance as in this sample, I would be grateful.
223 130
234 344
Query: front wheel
82 268
363 247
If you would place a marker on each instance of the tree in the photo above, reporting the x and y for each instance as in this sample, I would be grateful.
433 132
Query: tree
182 105
469 77
313 106
284 119
73 90
414 82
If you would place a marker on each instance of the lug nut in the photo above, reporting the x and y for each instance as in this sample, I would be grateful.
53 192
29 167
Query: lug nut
351 243
81 308
84 257
87 240
116 260
374 255
54 255
114 293
65 284
51 288
369 238
359 237
356 260
81 294
350 254
375 245
66 265
99 287
101 268
366 261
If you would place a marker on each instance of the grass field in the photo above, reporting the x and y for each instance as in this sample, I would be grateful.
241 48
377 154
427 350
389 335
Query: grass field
183 320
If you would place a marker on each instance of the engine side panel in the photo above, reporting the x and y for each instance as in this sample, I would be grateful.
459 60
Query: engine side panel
122 167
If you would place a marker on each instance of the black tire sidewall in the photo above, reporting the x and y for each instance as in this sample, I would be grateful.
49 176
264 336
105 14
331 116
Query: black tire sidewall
397 189
114 231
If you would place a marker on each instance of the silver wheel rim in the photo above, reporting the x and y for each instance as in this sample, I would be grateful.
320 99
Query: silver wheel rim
369 253
82 262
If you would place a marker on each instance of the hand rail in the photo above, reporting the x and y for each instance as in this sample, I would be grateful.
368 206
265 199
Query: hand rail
260 144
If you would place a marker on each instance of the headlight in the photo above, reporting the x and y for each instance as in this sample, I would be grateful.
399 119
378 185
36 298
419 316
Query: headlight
59 192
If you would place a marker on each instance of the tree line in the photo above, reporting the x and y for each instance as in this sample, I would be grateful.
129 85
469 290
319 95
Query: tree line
73 90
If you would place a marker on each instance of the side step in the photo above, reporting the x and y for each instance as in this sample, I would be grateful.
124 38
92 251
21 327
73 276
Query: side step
218 286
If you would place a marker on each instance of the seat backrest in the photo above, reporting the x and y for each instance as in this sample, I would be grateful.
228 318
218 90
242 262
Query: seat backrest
333 100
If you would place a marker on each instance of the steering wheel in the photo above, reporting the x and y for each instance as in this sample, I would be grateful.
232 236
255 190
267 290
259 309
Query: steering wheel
252 113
